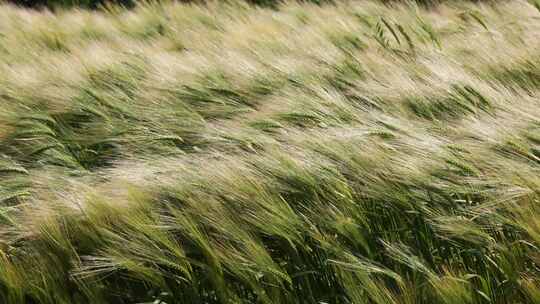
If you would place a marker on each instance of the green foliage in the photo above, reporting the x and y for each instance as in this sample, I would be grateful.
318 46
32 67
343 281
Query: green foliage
365 159
463 100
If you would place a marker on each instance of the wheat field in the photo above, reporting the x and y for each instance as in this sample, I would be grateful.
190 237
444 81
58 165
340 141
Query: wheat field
349 152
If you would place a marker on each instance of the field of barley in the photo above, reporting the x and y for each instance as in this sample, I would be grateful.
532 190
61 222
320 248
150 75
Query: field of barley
360 151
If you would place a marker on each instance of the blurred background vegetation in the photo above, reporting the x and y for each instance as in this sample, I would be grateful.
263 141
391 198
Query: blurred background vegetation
93 4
